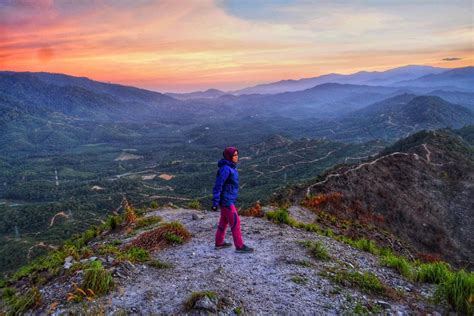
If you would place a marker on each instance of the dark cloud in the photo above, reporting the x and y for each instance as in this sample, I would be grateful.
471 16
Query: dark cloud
451 58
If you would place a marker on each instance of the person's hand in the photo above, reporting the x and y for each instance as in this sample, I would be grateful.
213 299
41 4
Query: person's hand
214 208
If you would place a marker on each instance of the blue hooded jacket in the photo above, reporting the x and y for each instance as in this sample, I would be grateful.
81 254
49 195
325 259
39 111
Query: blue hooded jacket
226 188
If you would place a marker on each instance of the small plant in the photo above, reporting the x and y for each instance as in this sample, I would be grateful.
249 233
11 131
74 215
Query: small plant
316 249
97 279
20 303
130 214
113 222
360 309
147 221
136 254
432 272
154 204
299 279
310 227
281 216
367 282
458 291
254 211
172 238
79 294
400 264
303 263
116 242
366 245
160 264
195 296
195 204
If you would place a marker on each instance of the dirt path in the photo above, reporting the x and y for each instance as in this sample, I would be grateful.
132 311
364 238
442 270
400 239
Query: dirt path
262 282
335 175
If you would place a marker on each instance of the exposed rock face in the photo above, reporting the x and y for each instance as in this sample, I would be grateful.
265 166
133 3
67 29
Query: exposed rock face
422 187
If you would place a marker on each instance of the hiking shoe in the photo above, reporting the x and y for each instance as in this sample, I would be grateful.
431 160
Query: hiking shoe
244 249
224 245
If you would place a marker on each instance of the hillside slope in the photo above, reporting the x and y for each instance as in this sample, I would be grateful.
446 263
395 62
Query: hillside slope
421 188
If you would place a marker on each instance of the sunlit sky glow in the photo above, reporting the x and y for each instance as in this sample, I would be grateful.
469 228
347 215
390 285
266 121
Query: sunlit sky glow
188 45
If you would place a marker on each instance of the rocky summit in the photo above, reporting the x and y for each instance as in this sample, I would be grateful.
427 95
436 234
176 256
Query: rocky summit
283 275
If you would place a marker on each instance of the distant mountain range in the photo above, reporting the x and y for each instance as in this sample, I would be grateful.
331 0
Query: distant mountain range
344 112
460 79
378 78
411 76
210 93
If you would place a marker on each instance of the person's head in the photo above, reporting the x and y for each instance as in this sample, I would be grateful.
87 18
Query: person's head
231 154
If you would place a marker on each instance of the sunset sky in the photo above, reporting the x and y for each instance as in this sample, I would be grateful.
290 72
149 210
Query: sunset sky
187 45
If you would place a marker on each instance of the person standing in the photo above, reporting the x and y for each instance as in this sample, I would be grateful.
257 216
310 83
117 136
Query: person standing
225 192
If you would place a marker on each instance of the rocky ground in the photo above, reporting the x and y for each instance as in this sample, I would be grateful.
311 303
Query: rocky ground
279 277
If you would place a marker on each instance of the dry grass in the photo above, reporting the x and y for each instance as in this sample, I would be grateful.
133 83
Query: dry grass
164 235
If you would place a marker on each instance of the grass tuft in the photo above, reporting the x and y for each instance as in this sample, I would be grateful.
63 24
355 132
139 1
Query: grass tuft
147 221
299 279
436 272
367 282
195 204
400 264
136 254
160 264
316 249
458 291
195 296
281 216
97 279
18 304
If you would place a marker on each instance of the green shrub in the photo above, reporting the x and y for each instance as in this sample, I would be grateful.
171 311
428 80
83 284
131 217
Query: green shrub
51 261
281 216
97 279
172 238
112 222
316 249
137 254
400 264
195 204
458 291
366 245
154 204
436 272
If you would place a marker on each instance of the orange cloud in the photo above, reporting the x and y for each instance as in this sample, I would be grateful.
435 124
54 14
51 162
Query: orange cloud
188 45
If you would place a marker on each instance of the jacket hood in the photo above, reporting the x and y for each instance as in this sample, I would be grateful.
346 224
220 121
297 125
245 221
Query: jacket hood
223 162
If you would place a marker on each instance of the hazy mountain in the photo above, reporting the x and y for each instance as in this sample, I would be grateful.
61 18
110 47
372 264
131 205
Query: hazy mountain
125 93
420 189
84 99
462 98
322 101
459 79
208 94
377 78
426 111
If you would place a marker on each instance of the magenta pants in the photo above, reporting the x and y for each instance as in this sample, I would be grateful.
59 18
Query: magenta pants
230 217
